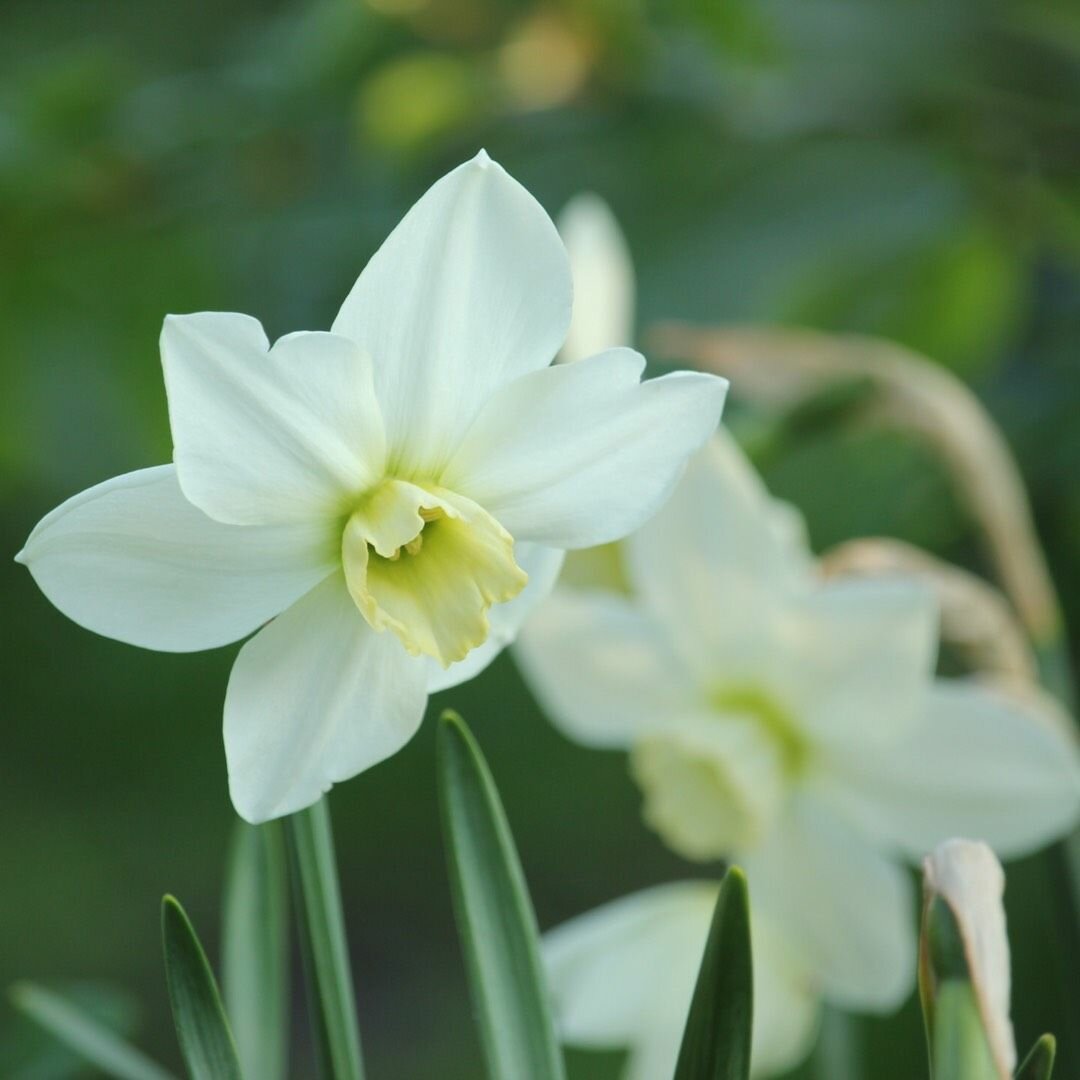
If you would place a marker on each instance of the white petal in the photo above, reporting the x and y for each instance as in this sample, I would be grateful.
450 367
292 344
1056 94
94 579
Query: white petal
470 290
623 974
603 278
787 1005
580 454
601 669
266 434
132 559
848 907
970 879
719 558
313 699
980 764
862 654
542 564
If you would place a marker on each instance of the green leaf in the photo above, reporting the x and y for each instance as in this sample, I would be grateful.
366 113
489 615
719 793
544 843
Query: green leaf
495 917
1039 1064
255 941
961 1049
322 942
89 1039
201 1028
716 1040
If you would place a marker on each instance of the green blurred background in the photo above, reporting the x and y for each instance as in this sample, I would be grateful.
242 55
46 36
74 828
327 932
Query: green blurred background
900 167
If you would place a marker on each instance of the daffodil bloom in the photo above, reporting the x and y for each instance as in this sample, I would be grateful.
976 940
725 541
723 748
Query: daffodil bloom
967 876
794 725
383 503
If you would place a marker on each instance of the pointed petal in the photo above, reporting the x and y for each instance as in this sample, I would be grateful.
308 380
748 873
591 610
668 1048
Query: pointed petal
314 699
469 291
601 670
132 559
603 278
543 565
265 435
720 558
848 907
862 655
980 764
580 454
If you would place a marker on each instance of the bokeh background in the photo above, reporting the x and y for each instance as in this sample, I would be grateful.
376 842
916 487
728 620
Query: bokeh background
906 168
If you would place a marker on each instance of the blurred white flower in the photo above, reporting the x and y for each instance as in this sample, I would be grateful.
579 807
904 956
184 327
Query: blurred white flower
603 278
968 877
623 976
407 472
794 724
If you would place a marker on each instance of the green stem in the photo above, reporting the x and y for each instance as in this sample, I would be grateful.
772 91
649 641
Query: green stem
837 1055
317 900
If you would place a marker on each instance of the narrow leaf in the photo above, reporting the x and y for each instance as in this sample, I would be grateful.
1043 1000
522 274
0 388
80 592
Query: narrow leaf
201 1028
323 944
1039 1064
716 1040
85 1036
961 1050
255 961
495 917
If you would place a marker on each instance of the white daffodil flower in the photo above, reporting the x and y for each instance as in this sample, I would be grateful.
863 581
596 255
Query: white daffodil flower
968 877
394 495
622 976
794 725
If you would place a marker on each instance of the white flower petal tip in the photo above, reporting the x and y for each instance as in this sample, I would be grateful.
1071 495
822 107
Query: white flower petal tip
264 434
471 290
978 762
482 160
314 698
133 560
967 876
581 454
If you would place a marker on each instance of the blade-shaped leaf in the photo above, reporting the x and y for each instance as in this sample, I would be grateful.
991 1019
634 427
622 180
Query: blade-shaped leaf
85 1036
255 960
201 1028
1039 1064
716 1040
495 917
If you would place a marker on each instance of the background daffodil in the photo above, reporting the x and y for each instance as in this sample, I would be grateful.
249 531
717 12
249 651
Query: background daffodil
393 495
794 724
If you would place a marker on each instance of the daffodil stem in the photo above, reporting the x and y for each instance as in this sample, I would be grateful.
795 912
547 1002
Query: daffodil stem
837 1056
317 901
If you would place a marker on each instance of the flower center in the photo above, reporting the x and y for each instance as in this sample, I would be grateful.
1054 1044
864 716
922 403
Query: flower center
714 786
745 699
427 564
